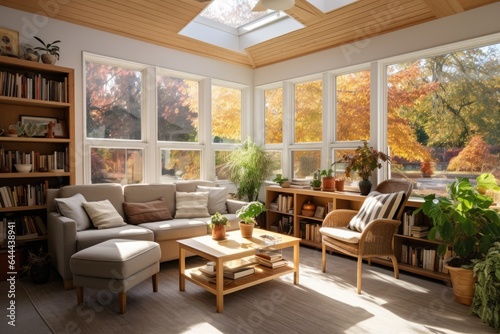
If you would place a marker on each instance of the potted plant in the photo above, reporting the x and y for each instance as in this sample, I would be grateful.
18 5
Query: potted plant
247 214
282 181
486 301
364 161
328 181
426 169
339 183
248 166
51 51
218 223
38 266
464 221
316 181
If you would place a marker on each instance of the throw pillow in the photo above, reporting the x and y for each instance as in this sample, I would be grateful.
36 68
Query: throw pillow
103 214
138 213
71 207
191 205
217 198
376 205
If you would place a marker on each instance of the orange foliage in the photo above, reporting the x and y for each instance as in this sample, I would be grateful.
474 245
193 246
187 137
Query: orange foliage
475 157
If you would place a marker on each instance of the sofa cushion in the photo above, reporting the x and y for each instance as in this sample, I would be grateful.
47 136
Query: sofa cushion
140 193
138 213
375 206
191 205
103 214
92 236
177 228
189 186
71 207
217 198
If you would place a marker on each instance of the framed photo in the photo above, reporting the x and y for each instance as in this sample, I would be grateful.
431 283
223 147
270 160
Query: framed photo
9 42
60 130
320 212
38 120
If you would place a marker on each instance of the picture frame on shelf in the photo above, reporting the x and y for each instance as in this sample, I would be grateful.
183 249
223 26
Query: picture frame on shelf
320 212
25 119
60 130
9 42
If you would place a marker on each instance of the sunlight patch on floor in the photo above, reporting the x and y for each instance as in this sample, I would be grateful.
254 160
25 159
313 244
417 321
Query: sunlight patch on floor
205 328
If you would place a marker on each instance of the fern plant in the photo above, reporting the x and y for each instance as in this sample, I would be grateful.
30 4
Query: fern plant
486 302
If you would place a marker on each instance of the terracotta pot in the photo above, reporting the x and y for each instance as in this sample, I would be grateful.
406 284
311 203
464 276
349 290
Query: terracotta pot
219 232
246 230
339 185
463 281
328 183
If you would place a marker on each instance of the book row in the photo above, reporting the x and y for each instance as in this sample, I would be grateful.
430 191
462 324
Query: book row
26 227
424 257
33 86
283 203
58 160
413 226
310 231
23 195
284 225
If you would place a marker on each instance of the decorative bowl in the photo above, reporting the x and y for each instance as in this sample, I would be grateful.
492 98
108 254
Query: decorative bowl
23 168
308 213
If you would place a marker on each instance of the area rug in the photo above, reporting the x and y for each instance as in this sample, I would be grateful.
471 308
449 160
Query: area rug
321 303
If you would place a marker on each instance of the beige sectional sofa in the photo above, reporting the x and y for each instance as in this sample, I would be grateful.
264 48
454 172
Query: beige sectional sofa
71 229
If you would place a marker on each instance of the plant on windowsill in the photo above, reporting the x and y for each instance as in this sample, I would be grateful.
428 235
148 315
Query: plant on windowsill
218 223
248 213
316 181
328 180
464 221
282 181
364 161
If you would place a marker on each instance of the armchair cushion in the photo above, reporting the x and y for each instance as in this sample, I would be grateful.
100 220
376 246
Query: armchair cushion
376 205
217 197
71 207
103 214
138 213
341 233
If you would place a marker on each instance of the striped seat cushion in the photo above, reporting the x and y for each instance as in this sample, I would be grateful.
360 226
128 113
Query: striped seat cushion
376 205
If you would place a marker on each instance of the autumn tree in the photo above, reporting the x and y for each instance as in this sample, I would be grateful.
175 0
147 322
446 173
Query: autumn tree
475 157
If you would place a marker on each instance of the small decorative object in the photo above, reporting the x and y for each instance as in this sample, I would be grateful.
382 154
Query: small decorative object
308 209
218 224
282 181
34 129
23 168
51 54
39 266
364 160
320 212
316 181
9 45
50 130
464 221
247 214
29 53
16 129
40 122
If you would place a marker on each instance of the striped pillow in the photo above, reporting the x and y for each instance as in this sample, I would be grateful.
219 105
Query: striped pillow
376 205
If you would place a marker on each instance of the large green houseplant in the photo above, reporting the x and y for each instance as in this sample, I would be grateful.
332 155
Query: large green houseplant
249 165
464 221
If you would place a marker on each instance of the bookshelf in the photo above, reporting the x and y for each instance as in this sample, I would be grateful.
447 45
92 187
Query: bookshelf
307 227
32 92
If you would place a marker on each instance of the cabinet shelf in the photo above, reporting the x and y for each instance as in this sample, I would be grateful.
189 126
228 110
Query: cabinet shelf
33 175
35 140
32 102
343 200
23 208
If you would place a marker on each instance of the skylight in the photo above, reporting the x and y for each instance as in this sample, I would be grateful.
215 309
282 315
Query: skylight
231 24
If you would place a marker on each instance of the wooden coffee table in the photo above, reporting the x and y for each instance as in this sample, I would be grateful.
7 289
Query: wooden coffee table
232 248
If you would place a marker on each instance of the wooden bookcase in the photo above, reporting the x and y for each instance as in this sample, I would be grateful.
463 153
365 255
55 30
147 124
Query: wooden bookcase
41 91
306 227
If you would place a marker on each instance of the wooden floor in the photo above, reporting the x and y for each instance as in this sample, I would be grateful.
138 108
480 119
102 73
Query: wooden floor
321 303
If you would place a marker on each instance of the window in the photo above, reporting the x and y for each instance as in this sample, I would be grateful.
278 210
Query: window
308 112
353 103
305 162
177 109
116 165
274 115
226 114
112 93
180 164
441 117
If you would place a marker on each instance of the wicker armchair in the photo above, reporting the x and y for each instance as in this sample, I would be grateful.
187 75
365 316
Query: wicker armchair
376 238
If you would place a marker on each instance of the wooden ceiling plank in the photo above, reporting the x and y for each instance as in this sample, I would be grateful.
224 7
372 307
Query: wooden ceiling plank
444 8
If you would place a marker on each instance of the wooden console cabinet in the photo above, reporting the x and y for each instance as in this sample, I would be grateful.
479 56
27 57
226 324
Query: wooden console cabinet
285 215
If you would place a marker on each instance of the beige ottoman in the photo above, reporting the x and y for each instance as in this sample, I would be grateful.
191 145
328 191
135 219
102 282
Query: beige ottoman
116 265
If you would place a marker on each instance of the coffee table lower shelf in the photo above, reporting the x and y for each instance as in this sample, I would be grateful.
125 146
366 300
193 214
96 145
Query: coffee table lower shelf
262 274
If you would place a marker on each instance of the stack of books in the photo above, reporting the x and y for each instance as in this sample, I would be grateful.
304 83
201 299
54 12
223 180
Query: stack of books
419 231
271 258
232 269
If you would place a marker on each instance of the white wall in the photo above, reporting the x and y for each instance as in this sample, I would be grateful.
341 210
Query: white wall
471 24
